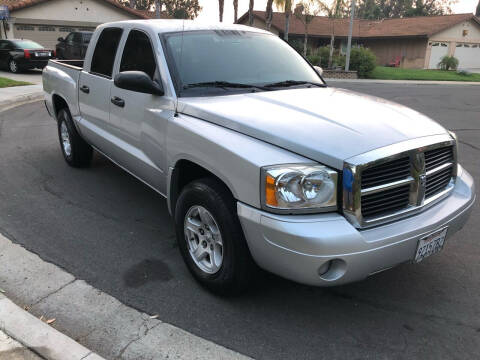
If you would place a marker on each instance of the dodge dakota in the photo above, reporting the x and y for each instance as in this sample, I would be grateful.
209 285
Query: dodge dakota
262 164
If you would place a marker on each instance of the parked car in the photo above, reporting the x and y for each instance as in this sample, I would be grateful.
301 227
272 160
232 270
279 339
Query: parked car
74 46
19 54
259 160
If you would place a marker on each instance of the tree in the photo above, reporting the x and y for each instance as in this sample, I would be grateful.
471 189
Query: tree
182 9
158 9
235 10
305 12
380 9
269 14
250 13
221 4
337 9
286 6
477 12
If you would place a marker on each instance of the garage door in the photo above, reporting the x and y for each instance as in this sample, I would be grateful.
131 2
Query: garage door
468 56
439 50
45 35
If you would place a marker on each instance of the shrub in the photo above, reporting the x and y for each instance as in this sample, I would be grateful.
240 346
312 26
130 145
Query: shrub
464 73
448 62
362 60
314 59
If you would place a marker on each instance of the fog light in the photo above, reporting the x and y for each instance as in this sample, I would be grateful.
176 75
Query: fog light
324 268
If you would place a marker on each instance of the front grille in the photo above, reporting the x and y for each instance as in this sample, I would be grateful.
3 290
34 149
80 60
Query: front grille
380 189
385 201
386 173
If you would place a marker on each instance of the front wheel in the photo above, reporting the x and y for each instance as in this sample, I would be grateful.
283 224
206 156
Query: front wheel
211 239
75 150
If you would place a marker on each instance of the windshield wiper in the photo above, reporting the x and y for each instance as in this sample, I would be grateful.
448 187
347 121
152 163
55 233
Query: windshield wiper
224 84
288 83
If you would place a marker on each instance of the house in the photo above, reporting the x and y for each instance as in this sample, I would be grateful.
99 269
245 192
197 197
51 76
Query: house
419 42
44 21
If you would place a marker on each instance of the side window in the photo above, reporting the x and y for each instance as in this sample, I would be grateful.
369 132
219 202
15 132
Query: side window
138 54
69 39
77 38
3 45
105 51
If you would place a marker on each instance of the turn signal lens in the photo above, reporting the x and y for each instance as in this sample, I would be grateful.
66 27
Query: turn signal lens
270 197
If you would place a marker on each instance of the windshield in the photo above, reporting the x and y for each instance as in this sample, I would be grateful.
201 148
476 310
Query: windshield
227 59
27 44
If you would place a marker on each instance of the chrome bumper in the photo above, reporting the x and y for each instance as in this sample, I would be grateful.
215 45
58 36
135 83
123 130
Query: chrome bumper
296 246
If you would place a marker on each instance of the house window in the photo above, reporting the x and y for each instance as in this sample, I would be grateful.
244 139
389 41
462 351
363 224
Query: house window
66 29
46 28
459 45
25 27
474 46
443 45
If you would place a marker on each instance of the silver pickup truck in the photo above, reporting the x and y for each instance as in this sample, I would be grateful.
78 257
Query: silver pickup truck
261 163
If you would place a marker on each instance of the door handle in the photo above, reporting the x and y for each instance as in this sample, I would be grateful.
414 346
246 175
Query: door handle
117 101
85 89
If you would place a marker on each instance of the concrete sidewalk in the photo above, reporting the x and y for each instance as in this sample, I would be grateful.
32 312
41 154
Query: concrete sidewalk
17 95
13 350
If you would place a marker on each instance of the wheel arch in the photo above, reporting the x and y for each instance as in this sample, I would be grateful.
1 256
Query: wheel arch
59 103
185 171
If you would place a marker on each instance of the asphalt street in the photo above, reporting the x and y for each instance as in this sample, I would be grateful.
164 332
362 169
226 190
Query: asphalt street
105 227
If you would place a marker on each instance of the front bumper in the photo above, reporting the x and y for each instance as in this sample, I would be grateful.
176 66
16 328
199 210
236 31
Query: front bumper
296 246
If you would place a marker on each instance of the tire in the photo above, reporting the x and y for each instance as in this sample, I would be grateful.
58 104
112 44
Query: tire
76 152
13 66
233 274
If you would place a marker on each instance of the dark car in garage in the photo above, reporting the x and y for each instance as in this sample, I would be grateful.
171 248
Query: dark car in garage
74 46
21 54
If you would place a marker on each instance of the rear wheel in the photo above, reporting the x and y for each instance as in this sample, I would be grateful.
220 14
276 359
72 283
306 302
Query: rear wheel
76 151
211 239
13 66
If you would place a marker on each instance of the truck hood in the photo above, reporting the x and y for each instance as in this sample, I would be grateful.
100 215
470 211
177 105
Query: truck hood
327 125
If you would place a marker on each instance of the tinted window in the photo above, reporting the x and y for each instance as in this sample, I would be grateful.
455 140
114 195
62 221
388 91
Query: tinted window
77 37
69 39
86 38
4 45
138 54
27 44
236 56
105 51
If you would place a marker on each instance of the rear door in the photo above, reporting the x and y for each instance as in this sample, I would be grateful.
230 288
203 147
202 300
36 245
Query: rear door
94 87
140 121
4 52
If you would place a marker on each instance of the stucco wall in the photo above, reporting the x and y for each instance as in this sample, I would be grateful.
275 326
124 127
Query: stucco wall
93 11
455 33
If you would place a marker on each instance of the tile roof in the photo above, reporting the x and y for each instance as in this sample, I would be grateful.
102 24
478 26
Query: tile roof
400 27
20 4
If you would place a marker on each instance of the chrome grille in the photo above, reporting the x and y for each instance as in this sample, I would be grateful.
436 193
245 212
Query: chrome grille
398 180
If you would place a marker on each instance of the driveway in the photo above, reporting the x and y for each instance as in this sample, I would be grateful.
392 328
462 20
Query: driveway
32 76
102 225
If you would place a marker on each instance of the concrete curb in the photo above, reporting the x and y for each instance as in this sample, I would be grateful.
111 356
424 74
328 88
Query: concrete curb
38 336
402 82
10 99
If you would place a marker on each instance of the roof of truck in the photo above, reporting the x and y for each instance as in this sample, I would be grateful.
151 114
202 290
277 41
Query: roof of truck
173 25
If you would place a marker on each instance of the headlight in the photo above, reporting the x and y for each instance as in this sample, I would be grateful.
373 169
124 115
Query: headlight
299 187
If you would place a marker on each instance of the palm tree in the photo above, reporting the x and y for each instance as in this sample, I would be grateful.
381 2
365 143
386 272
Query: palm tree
477 12
221 4
235 10
286 6
305 12
269 14
158 9
250 12
334 11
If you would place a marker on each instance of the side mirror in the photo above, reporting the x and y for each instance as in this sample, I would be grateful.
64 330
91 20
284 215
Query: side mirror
61 39
318 69
138 81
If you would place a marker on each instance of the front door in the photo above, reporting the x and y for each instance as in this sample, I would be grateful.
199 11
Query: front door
5 47
139 120
94 91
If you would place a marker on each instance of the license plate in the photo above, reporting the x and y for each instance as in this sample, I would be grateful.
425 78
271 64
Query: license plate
41 54
430 244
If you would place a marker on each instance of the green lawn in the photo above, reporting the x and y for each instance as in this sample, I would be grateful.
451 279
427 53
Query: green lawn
4 82
390 73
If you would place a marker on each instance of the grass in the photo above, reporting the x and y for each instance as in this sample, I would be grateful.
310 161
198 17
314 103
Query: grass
390 73
4 82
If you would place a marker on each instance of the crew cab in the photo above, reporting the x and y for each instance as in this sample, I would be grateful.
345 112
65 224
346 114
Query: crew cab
261 163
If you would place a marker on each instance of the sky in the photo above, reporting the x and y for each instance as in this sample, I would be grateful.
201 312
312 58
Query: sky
210 8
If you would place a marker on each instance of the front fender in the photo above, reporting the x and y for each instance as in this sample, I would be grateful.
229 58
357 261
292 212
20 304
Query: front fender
233 157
